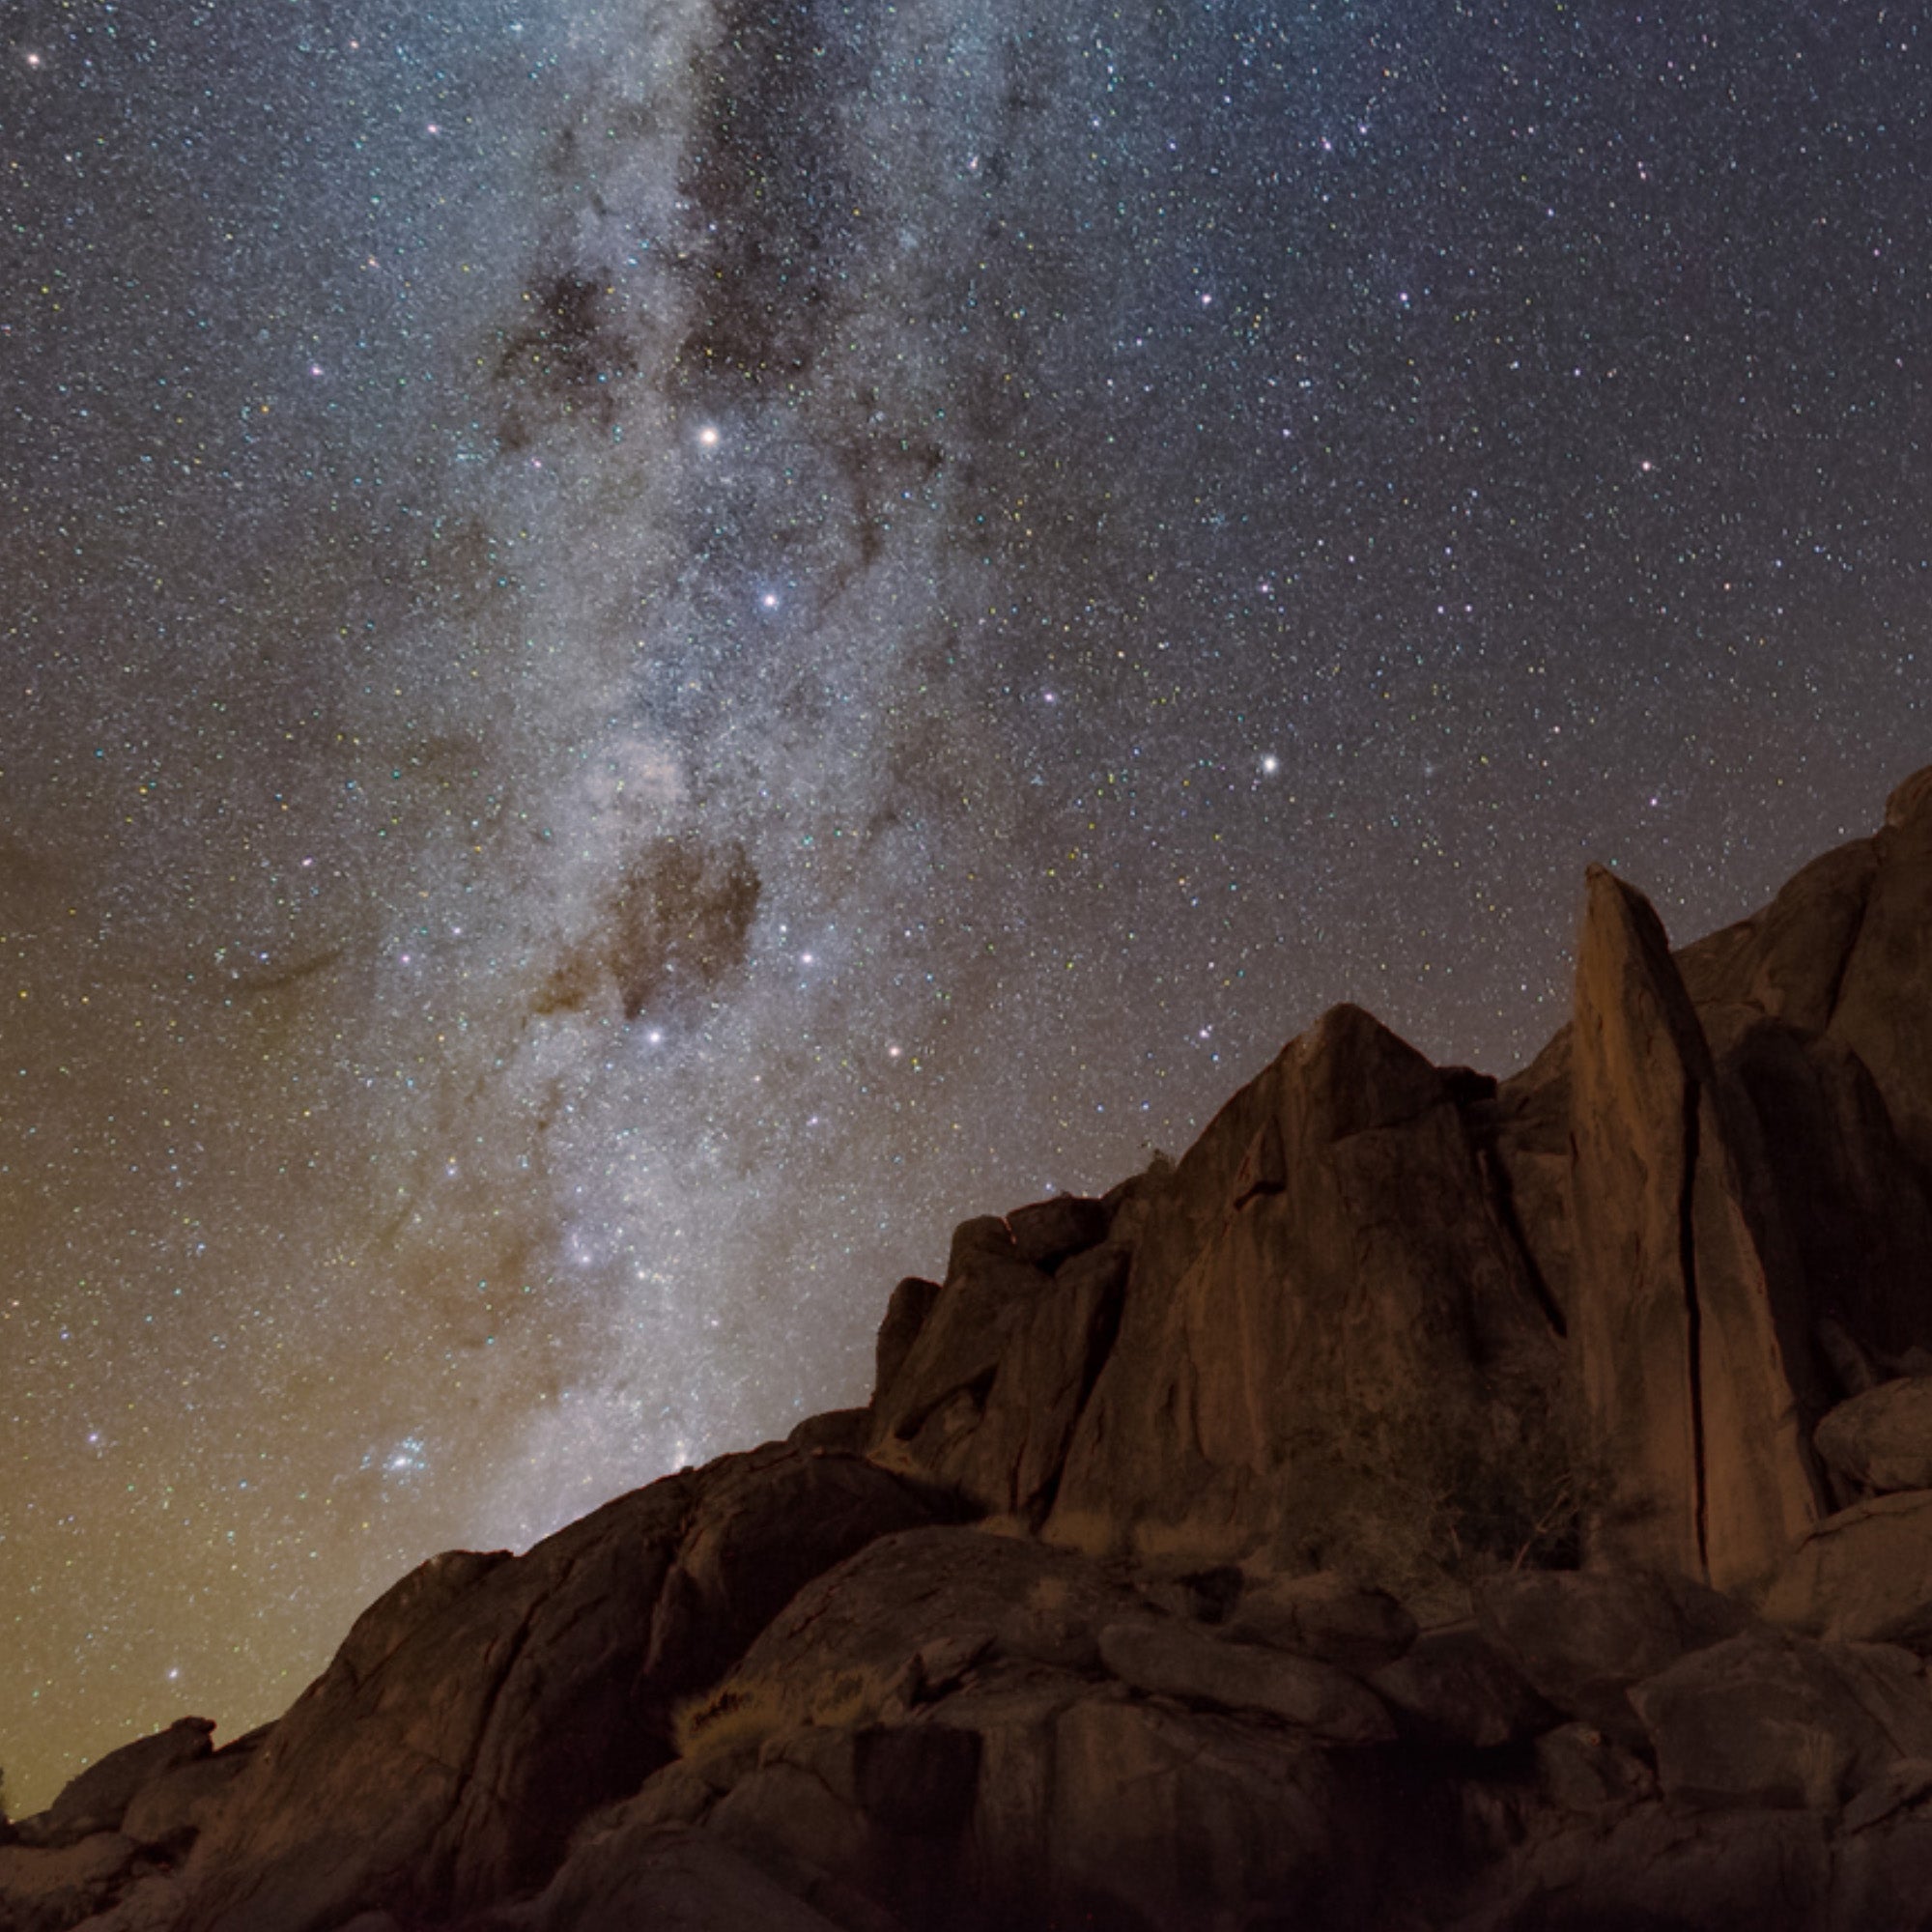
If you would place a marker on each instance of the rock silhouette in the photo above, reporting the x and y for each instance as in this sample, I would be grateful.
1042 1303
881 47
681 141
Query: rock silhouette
1430 1503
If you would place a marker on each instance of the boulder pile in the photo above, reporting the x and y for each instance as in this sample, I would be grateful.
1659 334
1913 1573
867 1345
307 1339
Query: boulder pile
1430 1503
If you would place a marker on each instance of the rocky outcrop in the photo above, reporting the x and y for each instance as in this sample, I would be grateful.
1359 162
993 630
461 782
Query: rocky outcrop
478 1712
1323 1300
1429 1504
100 1799
982 1396
1769 1719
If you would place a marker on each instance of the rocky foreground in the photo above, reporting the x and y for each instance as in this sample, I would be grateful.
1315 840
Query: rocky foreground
1430 1503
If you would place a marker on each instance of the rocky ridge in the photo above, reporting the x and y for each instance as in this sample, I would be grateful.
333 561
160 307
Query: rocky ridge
1430 1503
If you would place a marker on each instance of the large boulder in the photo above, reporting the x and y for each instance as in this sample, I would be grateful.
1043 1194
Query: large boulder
1455 1688
1325 1615
1882 1439
1864 1575
1883 1005
908 1618
171 1810
1525 1132
98 1798
984 1396
47 1889
1846 948
1171 1658
965 1729
906 1310
1156 1817
1581 1638
1788 960
1834 1202
1778 1722
988 1394
622 1875
1659 1868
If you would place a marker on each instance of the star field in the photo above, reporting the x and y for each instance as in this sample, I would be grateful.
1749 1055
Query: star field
649 652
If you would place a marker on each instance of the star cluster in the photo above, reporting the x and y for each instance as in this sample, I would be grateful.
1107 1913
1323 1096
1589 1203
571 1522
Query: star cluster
648 652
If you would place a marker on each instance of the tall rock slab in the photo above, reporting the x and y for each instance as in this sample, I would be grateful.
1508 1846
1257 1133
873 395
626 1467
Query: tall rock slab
1686 1396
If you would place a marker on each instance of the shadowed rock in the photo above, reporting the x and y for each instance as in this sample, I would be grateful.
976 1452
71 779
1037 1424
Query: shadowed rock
1864 1573
98 1800
483 1708
1883 1438
1582 1639
1770 1719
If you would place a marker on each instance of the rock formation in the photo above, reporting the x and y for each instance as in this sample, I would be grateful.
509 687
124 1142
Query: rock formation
1429 1504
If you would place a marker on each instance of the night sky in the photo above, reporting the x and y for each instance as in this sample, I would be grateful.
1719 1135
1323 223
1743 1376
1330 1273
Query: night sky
650 651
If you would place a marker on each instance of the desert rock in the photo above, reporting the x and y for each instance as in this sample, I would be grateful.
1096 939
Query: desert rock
1883 1438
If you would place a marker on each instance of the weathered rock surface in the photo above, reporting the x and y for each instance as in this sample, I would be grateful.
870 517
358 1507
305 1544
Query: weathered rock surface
1580 1639
47 1888
1323 1301
987 1393
1883 1009
671 1878
1428 1505
1455 1688
1172 1659
1325 1615
1864 1575
486 1705
173 1809
98 1800
1883 1438
1781 1723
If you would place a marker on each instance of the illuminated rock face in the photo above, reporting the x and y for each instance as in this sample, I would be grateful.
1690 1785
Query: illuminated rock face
1681 1369
1427 1502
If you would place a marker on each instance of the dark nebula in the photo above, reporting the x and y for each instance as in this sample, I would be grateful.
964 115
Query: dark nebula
672 929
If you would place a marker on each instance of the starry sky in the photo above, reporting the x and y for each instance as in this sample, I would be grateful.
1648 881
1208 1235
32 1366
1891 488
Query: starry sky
651 649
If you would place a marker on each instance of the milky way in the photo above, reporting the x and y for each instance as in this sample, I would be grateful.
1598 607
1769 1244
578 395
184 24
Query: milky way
649 651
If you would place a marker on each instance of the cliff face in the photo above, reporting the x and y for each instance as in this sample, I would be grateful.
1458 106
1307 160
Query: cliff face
1429 1503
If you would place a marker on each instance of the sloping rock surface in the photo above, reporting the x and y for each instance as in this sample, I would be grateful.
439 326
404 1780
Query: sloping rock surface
483 1707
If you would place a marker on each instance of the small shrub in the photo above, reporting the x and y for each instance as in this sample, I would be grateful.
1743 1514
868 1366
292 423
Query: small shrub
730 1713
740 1711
